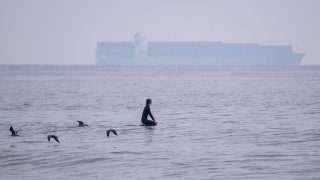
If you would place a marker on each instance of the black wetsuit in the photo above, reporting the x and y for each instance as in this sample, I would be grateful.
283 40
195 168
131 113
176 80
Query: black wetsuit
144 118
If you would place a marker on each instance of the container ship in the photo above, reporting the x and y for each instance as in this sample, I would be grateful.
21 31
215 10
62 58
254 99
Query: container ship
202 53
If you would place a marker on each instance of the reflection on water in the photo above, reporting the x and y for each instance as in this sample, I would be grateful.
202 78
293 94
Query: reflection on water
214 123
149 133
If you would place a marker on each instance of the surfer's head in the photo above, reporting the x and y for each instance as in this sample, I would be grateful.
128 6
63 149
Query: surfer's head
148 102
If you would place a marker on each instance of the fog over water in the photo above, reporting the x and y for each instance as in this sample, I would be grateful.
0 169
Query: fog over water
66 32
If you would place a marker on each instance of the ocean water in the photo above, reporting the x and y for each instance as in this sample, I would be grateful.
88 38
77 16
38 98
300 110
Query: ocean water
214 122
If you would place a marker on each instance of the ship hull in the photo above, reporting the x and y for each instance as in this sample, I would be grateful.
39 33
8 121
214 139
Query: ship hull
291 60
195 53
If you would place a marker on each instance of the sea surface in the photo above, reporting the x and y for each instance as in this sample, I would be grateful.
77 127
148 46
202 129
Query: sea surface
213 122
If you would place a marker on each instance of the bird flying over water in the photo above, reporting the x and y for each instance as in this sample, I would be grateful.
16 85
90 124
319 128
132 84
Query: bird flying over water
81 124
111 130
13 132
54 137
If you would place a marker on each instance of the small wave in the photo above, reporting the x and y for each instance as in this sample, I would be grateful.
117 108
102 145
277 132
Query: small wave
133 125
31 142
126 152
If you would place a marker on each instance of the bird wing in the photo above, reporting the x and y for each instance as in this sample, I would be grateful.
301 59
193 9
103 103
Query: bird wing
108 133
48 138
12 131
80 122
56 138
115 132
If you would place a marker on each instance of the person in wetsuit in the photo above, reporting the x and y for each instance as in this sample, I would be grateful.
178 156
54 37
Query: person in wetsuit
145 113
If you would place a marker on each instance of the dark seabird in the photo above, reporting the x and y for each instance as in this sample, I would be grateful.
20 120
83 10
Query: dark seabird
54 137
111 130
81 124
13 132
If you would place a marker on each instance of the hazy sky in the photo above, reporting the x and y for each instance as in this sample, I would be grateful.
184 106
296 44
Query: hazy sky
66 31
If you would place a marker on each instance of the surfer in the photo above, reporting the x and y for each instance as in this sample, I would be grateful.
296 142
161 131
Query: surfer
145 113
